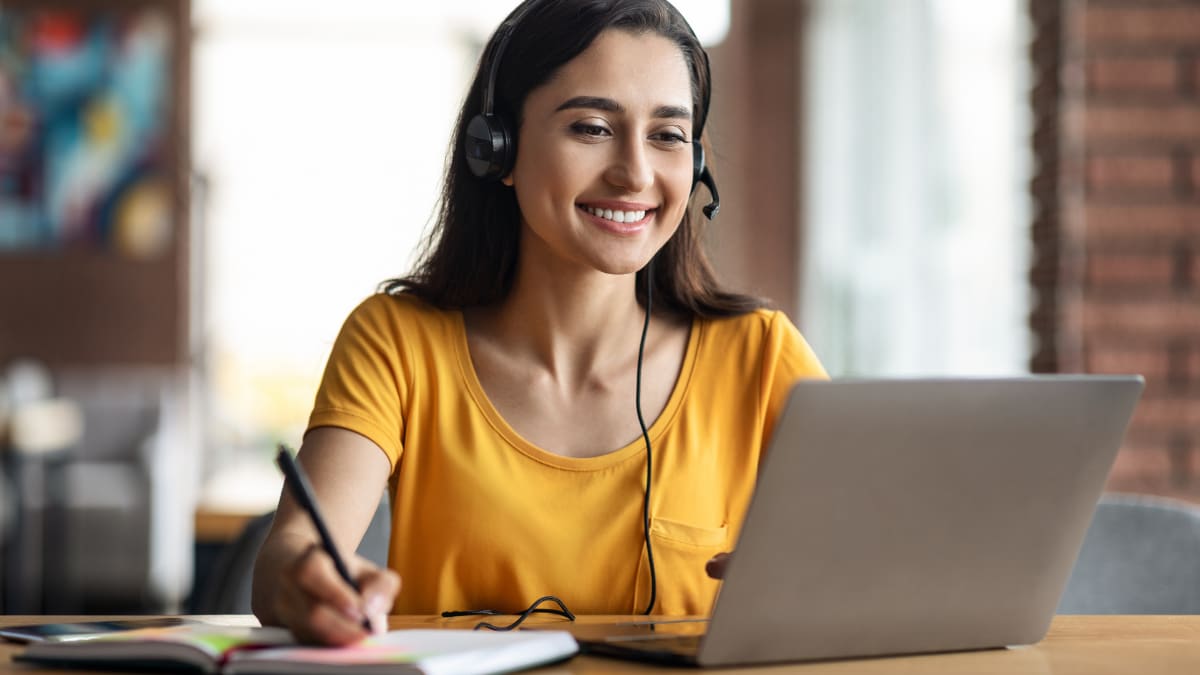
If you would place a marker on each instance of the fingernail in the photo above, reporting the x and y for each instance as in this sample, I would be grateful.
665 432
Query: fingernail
378 624
376 605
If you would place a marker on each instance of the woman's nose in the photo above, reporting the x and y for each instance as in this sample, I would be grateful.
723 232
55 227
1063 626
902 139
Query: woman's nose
631 169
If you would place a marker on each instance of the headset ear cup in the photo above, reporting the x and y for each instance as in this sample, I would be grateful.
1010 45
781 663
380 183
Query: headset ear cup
697 163
488 147
508 158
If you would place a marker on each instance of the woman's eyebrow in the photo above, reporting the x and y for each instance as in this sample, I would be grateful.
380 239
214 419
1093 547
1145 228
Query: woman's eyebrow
609 105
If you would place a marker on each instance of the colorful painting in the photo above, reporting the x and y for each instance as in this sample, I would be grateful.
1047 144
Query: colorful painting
85 109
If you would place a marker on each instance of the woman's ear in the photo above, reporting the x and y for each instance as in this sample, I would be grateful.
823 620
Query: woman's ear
507 180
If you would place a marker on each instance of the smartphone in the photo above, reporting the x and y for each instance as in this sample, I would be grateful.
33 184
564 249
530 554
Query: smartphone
62 632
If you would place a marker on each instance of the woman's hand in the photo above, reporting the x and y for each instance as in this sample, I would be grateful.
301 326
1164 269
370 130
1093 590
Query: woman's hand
295 582
319 607
715 567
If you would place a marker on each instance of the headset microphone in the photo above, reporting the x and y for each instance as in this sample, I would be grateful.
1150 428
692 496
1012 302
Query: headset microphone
714 207
701 174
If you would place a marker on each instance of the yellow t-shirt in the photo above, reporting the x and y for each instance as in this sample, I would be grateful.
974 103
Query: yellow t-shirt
483 519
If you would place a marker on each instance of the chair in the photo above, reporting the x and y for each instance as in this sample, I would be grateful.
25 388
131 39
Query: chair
126 502
1141 555
227 587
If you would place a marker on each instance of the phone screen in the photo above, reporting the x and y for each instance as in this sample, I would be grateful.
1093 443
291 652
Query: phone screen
73 631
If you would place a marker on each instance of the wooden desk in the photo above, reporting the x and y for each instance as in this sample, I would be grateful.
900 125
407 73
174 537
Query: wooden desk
220 527
1076 645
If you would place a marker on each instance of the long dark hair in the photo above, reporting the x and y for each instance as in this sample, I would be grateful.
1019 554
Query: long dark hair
469 257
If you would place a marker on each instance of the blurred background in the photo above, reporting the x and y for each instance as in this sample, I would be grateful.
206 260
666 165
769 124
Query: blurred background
193 195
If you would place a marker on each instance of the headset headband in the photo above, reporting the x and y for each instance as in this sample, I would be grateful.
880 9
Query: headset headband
489 145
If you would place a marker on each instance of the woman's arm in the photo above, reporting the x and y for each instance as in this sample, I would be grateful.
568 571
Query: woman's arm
295 583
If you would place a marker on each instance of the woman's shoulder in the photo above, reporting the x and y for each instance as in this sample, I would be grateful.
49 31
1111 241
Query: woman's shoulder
765 334
388 321
400 308
397 328
752 326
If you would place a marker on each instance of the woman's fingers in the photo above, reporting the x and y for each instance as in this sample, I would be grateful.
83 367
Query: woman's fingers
320 623
319 605
715 567
316 575
379 589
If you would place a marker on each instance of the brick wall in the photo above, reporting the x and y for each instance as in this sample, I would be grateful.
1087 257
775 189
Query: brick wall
1128 237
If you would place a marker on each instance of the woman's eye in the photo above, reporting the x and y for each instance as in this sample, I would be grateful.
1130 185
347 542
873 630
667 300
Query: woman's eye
670 137
585 129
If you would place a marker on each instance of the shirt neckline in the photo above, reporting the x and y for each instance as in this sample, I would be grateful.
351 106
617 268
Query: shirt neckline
656 429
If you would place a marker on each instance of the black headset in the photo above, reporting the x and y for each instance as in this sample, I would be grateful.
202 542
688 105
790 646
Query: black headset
490 143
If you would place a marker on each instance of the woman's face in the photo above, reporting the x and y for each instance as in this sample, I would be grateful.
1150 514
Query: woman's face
604 159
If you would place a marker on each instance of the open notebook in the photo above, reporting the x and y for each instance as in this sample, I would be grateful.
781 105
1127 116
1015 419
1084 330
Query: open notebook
271 651
905 516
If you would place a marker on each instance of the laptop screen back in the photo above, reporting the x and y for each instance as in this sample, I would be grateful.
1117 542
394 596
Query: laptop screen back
902 516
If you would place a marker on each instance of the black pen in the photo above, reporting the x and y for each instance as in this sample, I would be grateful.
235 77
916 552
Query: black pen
302 491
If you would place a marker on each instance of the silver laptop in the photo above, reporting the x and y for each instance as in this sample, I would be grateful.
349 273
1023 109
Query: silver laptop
905 516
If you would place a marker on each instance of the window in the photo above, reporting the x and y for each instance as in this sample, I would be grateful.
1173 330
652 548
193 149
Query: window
918 209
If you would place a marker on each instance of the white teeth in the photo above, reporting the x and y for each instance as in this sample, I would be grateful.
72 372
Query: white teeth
616 216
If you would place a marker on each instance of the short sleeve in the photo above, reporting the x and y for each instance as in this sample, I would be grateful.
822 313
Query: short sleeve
787 357
366 382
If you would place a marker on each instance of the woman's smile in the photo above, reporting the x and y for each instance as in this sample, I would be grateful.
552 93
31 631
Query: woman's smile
620 218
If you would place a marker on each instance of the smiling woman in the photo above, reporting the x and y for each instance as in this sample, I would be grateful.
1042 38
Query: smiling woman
501 392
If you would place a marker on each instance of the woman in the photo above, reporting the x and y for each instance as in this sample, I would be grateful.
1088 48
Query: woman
500 392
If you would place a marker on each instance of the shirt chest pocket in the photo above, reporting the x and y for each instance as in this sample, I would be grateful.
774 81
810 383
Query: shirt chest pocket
680 552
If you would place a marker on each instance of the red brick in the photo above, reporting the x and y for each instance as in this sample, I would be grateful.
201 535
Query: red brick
1164 464
1150 362
1174 121
1118 173
1131 269
1073 76
1073 121
1176 414
1160 468
1140 469
1194 171
1146 224
1140 318
1193 363
1153 74
1154 26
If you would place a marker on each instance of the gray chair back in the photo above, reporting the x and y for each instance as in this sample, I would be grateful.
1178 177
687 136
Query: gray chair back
227 589
1141 555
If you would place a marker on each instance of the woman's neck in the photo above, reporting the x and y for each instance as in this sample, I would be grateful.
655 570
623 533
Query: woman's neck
571 323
